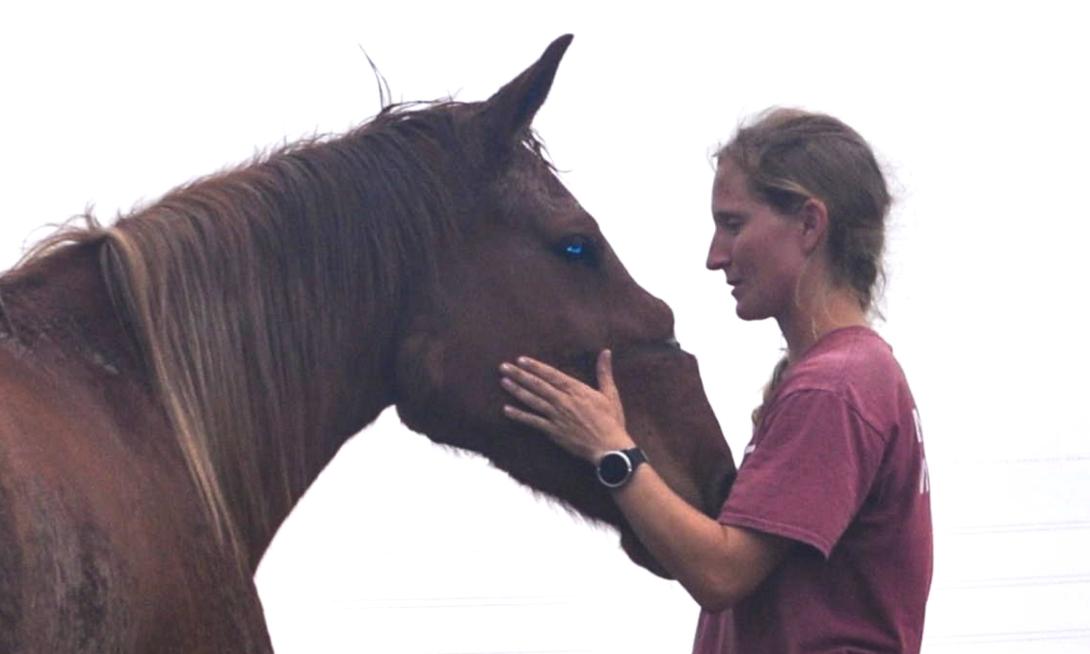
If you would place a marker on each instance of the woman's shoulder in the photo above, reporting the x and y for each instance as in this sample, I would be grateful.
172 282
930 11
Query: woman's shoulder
846 353
855 364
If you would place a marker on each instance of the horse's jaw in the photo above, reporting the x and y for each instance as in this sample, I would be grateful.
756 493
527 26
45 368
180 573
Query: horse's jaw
639 555
665 399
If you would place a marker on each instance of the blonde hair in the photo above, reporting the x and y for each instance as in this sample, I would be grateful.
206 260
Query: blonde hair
790 156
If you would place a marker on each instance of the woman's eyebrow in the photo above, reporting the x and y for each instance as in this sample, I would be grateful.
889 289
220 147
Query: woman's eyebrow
724 214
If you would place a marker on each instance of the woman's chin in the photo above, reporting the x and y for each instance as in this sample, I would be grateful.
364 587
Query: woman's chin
745 311
750 313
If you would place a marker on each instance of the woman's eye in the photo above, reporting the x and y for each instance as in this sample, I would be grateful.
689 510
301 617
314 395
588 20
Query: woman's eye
730 223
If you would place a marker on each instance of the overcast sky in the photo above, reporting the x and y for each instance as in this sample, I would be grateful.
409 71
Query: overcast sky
978 114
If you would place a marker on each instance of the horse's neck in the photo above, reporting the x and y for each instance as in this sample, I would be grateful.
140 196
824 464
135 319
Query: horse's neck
58 310
342 403
339 402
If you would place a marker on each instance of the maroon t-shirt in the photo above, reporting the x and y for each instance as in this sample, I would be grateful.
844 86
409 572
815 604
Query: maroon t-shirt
836 464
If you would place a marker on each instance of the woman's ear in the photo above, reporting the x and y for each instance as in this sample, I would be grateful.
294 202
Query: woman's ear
814 222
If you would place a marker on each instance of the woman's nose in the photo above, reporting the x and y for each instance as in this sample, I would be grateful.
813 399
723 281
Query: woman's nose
718 254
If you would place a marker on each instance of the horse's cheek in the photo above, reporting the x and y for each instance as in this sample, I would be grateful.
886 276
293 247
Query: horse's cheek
419 373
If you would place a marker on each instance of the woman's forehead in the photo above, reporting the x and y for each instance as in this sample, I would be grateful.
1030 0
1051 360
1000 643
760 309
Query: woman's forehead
730 188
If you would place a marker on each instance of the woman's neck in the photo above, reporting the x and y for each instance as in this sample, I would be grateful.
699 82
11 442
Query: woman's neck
815 314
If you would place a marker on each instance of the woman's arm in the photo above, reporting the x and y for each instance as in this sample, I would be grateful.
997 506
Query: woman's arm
717 564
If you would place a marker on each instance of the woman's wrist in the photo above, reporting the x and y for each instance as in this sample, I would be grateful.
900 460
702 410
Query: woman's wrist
619 441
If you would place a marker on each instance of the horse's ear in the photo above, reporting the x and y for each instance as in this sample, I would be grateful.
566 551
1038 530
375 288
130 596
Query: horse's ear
511 109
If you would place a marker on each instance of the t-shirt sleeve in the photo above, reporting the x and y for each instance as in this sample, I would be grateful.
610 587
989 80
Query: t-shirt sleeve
809 471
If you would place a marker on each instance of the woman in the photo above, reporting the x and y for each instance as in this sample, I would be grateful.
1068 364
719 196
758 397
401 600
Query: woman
824 544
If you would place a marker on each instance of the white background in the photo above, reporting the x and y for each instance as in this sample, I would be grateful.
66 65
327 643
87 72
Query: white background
977 111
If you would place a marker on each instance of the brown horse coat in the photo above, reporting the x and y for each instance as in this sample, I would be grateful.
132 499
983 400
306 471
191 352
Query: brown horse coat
170 385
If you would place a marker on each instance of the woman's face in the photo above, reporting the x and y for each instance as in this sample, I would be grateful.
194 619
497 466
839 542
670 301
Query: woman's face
759 249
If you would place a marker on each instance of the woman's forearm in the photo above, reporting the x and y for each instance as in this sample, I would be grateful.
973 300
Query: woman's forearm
717 564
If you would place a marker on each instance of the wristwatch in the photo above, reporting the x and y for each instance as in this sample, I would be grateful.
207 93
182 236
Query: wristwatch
615 468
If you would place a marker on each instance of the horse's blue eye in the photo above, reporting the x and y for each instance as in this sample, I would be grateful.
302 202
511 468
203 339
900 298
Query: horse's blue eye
577 248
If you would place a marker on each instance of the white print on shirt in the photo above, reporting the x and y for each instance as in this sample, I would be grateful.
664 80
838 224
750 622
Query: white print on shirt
925 478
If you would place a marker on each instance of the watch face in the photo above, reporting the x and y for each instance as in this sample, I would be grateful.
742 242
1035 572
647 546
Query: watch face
614 468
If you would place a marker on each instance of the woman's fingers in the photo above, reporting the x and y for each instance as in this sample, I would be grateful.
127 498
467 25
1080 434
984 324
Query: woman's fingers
579 418
546 372
531 381
529 398
531 419
605 375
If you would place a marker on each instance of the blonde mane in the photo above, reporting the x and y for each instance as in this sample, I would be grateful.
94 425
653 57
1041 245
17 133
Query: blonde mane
242 287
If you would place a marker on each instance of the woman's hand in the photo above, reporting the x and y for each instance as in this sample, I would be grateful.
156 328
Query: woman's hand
584 421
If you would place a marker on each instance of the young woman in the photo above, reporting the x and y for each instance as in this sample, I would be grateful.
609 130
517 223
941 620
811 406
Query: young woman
824 544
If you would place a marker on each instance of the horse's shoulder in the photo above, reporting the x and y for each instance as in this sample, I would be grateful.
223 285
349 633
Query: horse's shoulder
96 534
11 566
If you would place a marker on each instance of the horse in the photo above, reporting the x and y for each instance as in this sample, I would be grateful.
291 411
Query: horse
171 384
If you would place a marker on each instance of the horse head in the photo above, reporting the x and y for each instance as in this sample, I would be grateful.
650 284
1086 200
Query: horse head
531 273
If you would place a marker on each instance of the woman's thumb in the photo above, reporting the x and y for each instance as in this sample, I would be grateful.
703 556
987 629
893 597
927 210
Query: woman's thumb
605 375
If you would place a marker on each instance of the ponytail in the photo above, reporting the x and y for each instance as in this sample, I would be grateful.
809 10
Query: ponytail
770 389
